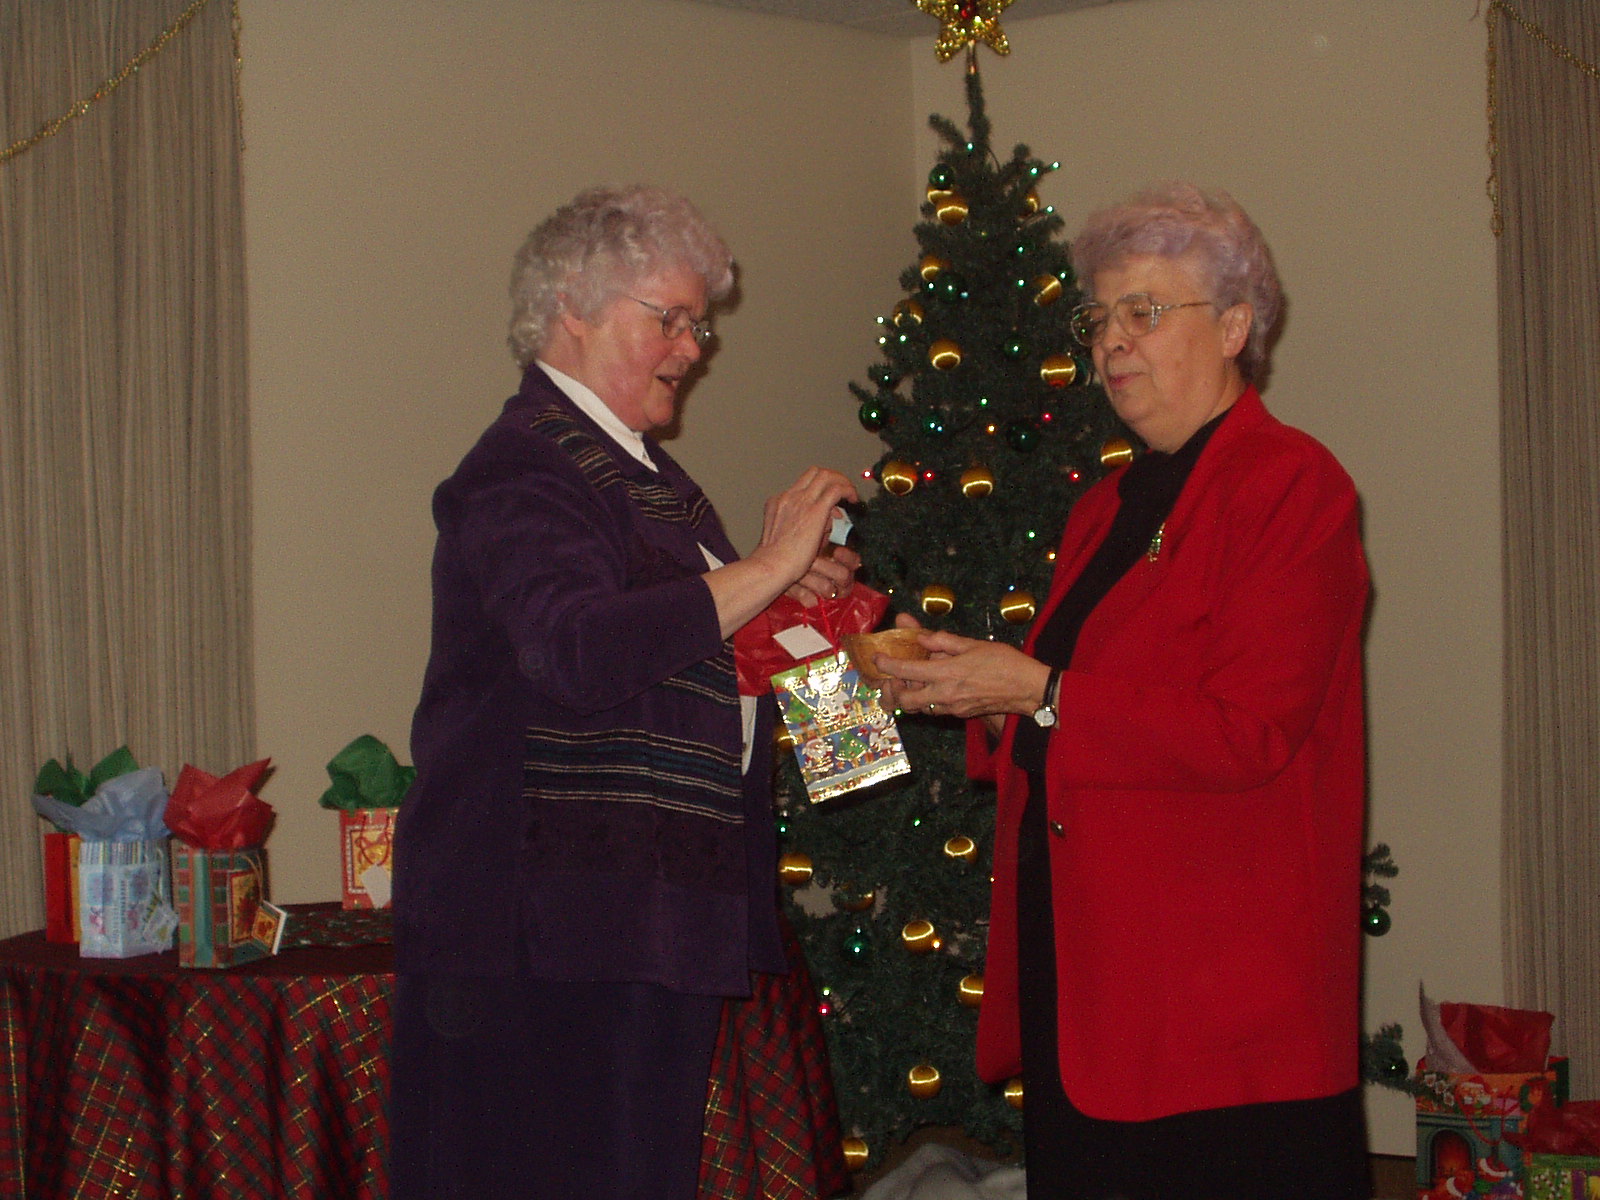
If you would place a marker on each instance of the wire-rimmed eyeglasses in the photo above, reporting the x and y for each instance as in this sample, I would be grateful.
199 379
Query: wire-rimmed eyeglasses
677 321
1136 314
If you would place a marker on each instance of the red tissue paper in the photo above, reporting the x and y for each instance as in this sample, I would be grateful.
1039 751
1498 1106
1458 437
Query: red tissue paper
220 814
759 657
1498 1041
1571 1129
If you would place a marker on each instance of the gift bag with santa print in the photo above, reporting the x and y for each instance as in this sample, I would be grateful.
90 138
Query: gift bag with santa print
843 738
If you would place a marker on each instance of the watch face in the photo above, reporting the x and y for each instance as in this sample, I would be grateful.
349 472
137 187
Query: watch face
1045 717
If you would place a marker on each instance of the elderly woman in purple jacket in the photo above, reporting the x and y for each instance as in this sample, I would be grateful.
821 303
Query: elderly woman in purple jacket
585 864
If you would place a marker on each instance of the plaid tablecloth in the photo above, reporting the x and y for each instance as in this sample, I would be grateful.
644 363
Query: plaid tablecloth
135 1079
139 1080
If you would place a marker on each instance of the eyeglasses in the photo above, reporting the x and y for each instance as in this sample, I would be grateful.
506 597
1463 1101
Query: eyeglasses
1136 314
675 322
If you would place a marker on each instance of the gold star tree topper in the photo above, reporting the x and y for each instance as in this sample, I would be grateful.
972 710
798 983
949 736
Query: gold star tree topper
965 23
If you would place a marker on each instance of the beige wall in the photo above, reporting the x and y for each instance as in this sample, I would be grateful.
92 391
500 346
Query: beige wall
397 153
1354 132
399 149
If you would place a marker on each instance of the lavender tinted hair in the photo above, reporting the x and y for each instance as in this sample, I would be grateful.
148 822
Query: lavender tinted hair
599 245
1174 219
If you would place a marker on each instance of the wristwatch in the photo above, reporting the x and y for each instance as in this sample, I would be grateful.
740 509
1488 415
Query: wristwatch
1045 715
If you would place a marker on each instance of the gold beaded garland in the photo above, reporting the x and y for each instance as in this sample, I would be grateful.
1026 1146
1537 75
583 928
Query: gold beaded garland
856 1153
944 354
1018 606
937 600
919 936
977 482
962 847
1059 370
971 990
1116 452
924 1081
1013 1092
794 868
897 477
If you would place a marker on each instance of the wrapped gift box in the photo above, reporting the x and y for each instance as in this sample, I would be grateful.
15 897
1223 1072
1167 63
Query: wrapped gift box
218 895
1563 1177
366 854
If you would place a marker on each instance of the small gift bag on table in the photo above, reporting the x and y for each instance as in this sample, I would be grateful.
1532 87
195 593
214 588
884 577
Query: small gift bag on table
219 868
66 785
124 894
843 739
1487 1068
368 785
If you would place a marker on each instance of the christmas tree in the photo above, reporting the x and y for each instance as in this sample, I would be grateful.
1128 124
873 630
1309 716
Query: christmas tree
991 429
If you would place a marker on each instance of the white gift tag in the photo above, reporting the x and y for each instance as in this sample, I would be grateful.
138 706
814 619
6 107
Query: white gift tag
802 642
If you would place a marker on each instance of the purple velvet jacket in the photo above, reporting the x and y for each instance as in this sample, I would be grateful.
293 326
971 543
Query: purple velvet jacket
578 811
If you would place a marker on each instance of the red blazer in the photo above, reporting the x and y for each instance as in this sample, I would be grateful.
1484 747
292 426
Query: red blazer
1205 788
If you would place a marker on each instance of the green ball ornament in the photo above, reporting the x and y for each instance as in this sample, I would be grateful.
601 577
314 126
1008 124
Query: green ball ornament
856 943
1022 436
941 177
872 416
1376 921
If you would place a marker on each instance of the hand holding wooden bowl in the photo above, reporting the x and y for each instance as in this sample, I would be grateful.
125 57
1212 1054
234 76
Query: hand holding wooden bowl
892 643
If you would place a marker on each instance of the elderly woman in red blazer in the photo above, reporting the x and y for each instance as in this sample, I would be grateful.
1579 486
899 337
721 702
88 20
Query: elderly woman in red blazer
1174 951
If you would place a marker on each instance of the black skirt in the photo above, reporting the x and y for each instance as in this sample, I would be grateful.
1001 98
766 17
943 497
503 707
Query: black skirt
1284 1150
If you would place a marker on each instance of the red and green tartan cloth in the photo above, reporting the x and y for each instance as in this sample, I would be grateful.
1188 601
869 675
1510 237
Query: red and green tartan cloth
132 1078
772 1123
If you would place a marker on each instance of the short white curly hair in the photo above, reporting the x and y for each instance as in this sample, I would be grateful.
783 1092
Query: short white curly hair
1177 218
597 246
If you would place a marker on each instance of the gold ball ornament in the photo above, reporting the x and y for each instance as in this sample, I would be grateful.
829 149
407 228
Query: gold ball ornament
919 936
898 478
931 266
950 208
855 1153
1047 289
907 314
977 482
962 847
1013 1092
794 868
937 600
783 739
936 195
1117 452
1030 203
1018 607
945 355
1059 370
971 992
924 1081
851 901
